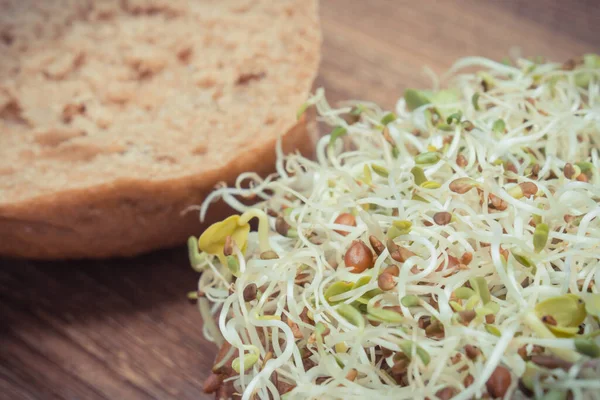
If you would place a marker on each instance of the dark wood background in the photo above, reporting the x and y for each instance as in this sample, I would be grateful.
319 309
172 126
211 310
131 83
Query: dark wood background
123 329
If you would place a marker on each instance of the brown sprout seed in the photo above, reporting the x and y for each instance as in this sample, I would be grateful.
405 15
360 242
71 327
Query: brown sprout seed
466 316
529 188
392 270
352 374
472 352
281 226
386 281
466 258
569 170
212 383
442 218
497 203
498 383
446 393
468 381
345 219
250 292
358 257
551 362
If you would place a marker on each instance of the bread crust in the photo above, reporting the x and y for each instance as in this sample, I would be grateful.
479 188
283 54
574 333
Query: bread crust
129 217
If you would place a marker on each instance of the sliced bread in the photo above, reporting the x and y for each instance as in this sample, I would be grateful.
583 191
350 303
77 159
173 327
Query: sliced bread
117 115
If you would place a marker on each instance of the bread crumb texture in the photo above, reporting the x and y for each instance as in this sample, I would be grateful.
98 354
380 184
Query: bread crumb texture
94 91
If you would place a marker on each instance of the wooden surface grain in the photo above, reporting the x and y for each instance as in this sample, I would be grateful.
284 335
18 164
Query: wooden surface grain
123 329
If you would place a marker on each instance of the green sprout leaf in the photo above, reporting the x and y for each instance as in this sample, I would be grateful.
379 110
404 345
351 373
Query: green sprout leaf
387 118
475 101
415 99
499 126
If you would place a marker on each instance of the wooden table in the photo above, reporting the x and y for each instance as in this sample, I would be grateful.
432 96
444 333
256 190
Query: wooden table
123 329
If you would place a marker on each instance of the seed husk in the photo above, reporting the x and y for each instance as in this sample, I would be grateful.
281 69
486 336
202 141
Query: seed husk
399 253
497 203
351 375
269 255
461 161
228 247
378 247
462 185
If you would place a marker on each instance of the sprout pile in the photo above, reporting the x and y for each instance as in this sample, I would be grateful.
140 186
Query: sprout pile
449 249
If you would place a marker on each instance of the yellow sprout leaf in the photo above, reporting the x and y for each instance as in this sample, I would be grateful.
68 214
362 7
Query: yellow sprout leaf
212 240
568 311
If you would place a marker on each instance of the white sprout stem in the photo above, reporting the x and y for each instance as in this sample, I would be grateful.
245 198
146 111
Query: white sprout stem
209 321
527 125
263 226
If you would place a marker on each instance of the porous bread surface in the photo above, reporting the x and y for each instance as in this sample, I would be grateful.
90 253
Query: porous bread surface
116 115
97 90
